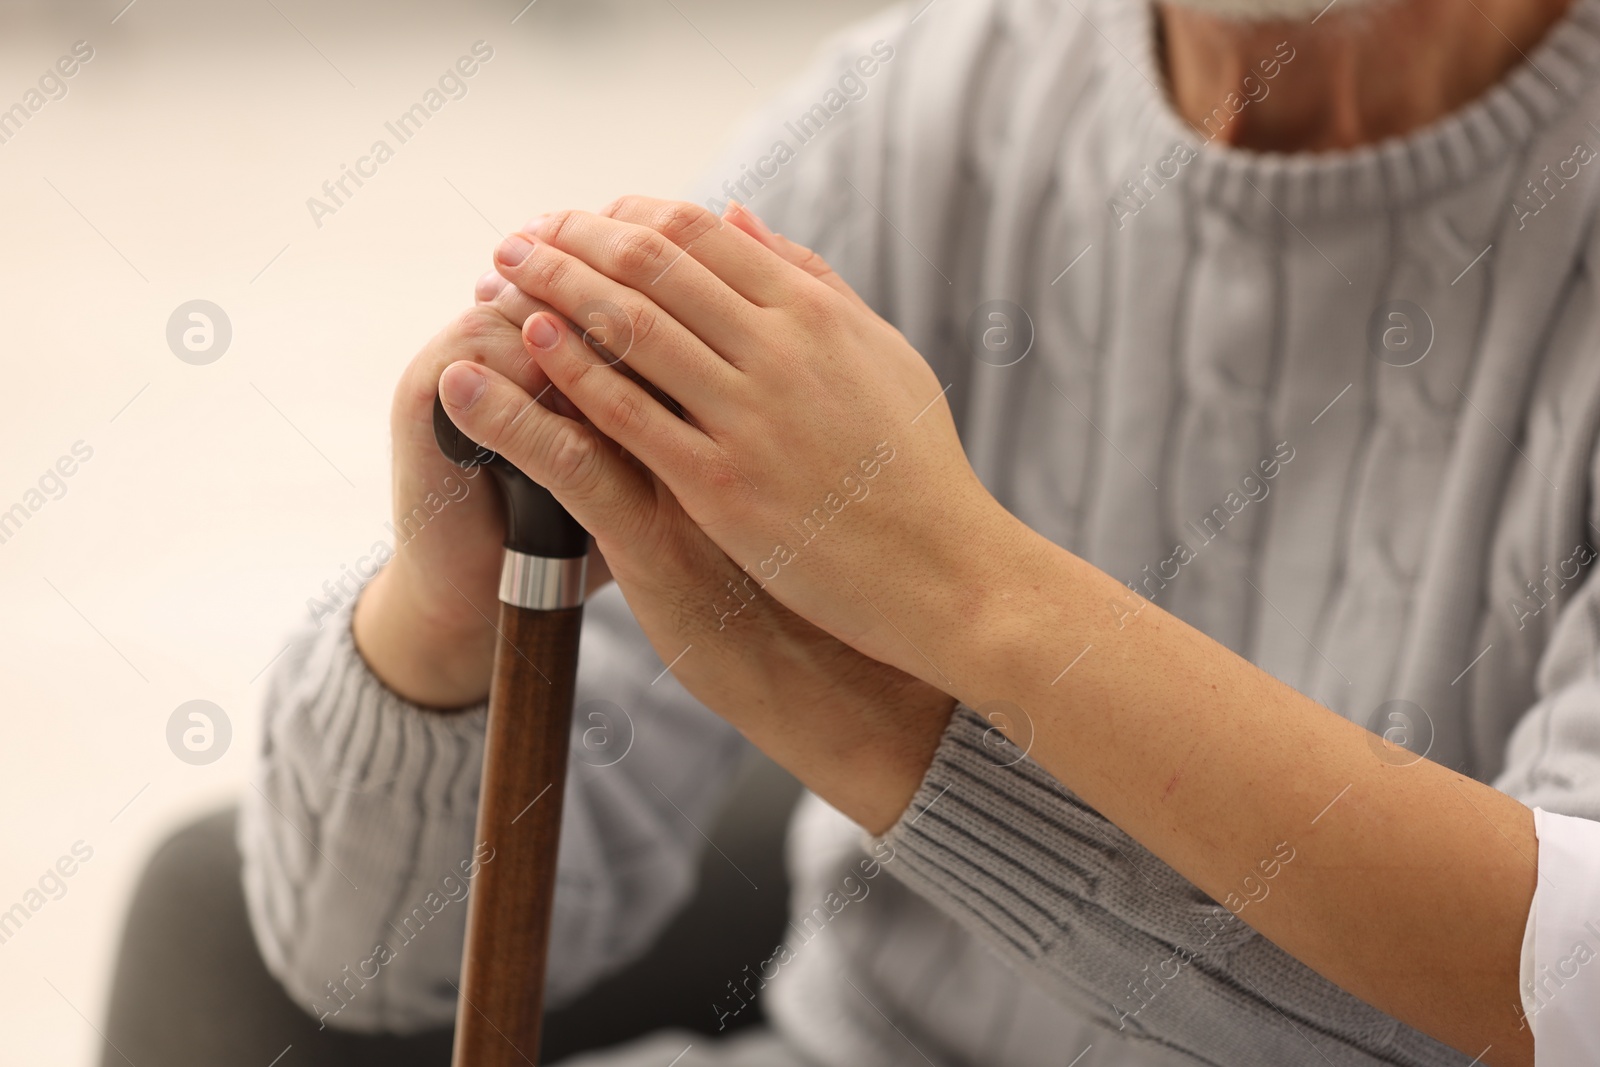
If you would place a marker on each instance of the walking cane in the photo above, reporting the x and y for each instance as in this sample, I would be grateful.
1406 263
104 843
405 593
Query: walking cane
524 765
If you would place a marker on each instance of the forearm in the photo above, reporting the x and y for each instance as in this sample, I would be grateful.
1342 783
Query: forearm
1112 931
1213 765
857 732
861 739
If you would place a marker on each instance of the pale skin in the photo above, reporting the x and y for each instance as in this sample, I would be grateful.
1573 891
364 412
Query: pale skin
847 663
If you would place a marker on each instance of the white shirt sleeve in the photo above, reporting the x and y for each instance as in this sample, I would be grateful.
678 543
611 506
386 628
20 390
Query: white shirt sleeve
1561 944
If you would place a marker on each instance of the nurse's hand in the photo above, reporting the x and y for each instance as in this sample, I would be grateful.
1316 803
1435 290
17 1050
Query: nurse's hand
797 428
858 732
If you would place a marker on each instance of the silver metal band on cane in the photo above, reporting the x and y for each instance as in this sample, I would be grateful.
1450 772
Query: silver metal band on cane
540 583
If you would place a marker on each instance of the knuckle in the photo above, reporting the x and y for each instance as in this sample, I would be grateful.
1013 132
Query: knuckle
725 475
723 478
547 269
477 323
504 425
817 306
643 320
811 261
567 374
514 305
638 251
573 458
559 225
683 223
813 264
515 363
810 306
629 206
624 412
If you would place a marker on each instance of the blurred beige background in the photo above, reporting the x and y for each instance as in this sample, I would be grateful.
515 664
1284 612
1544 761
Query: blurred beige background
172 563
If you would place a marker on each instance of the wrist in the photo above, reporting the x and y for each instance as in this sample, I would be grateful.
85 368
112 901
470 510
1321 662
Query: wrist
423 656
991 584
1034 615
875 732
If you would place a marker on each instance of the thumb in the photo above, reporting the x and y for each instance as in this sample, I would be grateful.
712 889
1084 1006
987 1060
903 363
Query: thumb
792 251
610 497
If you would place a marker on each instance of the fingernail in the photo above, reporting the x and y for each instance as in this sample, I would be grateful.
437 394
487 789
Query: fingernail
542 333
461 385
533 225
489 286
513 250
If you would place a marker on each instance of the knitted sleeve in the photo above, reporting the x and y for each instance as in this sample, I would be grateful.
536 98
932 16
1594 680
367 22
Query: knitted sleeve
357 828
1066 896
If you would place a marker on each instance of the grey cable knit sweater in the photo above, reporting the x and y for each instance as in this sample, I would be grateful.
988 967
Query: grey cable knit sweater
1207 392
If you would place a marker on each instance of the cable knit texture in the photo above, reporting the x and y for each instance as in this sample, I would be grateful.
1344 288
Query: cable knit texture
1184 317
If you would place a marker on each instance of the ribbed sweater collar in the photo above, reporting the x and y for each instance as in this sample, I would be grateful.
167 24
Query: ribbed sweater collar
1388 175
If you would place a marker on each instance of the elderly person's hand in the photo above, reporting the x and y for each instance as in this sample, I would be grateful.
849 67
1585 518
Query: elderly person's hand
423 624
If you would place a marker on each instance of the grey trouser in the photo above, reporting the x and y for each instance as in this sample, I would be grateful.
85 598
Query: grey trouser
190 989
758 1047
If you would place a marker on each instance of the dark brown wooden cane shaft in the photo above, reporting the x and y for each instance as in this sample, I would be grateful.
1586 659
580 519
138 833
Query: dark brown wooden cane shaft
524 763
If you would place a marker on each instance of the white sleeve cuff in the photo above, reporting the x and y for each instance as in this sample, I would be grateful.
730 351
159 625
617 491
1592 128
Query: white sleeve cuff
1561 944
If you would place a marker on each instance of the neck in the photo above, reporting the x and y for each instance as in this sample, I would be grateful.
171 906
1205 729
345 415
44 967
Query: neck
1354 77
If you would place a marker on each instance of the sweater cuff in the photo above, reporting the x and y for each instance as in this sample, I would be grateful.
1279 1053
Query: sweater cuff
337 722
1005 849
390 726
362 802
998 841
